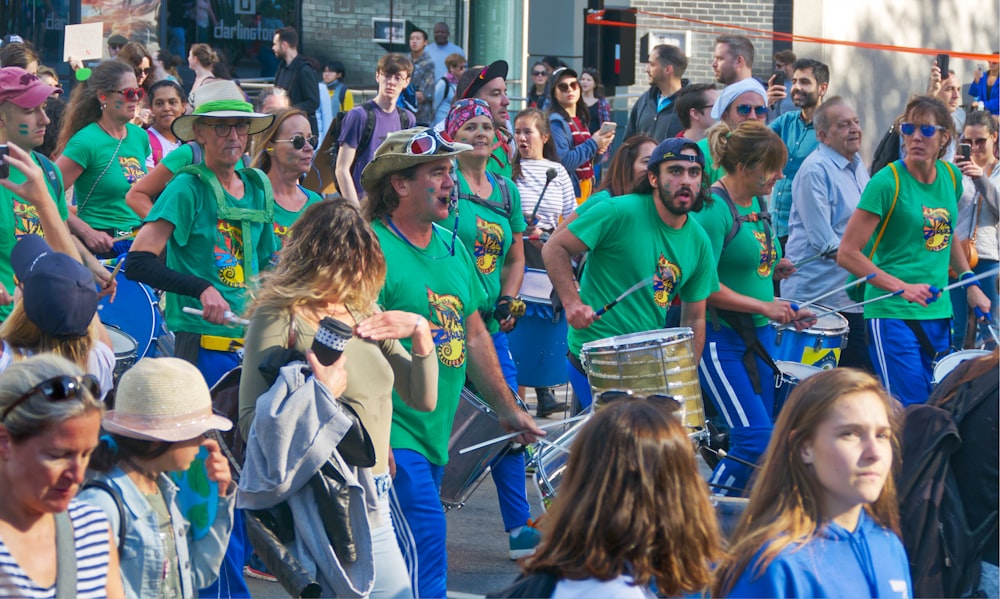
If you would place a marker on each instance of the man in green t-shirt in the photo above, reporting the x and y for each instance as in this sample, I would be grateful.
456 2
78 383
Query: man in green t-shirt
32 199
630 238
409 188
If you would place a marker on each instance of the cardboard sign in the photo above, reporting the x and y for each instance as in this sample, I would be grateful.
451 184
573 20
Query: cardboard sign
84 41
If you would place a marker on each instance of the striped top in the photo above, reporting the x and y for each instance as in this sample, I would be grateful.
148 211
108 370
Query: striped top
90 528
560 198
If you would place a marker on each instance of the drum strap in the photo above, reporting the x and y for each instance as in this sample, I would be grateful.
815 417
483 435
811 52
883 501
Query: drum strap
925 342
742 323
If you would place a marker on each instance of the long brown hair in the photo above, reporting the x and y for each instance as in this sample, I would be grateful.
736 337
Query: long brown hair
84 105
541 123
784 506
751 143
631 502
261 158
619 179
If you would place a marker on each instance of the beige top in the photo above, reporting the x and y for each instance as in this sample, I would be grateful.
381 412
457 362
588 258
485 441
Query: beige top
374 369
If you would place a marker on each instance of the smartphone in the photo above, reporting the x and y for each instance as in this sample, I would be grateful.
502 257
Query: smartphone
942 63
779 77
4 165
608 127
965 150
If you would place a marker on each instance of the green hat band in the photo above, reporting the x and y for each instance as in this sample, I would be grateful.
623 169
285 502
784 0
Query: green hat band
220 105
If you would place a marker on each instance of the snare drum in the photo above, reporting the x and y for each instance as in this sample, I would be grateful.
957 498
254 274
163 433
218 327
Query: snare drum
125 348
649 363
819 345
474 423
552 460
136 312
945 365
792 373
538 342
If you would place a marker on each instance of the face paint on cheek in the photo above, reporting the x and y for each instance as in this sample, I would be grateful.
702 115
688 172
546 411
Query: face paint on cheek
119 105
22 129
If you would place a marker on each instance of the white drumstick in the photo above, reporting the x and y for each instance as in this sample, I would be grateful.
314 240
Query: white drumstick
838 290
466 450
229 315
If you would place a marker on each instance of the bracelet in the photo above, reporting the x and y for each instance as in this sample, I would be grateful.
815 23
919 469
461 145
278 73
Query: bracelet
966 274
420 320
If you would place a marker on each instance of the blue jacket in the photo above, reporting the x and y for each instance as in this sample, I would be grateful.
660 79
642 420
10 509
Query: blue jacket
143 554
989 96
571 157
870 562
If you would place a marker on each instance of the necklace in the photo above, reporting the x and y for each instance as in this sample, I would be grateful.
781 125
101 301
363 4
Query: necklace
150 476
451 250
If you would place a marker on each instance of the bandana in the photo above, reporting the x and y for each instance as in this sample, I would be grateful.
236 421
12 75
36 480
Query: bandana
462 111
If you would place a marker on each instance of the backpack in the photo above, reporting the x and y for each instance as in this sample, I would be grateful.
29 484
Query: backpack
119 504
49 169
887 150
739 219
505 206
944 548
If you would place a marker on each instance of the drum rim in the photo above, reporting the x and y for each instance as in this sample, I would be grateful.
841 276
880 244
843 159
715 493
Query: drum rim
970 354
116 331
810 368
615 342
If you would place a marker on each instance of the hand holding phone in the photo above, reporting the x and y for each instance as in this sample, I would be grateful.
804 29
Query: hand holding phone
608 127
965 151
942 62
778 78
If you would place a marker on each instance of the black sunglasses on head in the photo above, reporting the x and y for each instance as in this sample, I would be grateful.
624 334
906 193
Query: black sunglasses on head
58 388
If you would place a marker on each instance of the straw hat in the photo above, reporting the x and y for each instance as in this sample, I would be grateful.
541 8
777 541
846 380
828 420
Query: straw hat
163 399
220 100
395 154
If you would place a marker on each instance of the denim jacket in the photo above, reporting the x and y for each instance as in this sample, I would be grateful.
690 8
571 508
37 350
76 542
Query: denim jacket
143 555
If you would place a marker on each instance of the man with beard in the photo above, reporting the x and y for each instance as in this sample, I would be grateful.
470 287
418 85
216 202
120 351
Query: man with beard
632 237
654 114
810 79
733 59
295 75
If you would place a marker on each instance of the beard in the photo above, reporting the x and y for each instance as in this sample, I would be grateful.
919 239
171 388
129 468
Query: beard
671 200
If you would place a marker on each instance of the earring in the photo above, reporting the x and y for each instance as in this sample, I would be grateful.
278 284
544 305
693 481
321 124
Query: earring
270 150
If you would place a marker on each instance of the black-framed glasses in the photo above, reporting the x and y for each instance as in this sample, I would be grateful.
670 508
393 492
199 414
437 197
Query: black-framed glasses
242 128
427 143
132 94
565 86
298 141
58 388
745 109
979 142
539 73
925 130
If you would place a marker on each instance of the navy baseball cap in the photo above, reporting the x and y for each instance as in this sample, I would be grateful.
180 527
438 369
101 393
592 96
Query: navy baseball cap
671 148
58 293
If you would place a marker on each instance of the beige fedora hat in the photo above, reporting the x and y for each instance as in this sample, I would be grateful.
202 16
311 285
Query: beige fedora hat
163 399
406 148
220 100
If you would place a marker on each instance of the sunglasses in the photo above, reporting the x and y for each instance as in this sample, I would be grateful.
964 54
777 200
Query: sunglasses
142 71
131 94
539 73
744 110
427 143
59 388
298 142
565 86
114 47
925 130
242 128
980 143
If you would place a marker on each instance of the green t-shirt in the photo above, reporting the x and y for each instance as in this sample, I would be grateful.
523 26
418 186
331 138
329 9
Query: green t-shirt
179 158
445 290
107 175
19 218
916 246
284 219
488 236
205 246
499 162
744 266
714 172
592 201
629 241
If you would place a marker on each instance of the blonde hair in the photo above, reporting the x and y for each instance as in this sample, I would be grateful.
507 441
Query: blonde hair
25 338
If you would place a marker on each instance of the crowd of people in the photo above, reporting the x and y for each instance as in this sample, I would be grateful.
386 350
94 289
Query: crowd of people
737 204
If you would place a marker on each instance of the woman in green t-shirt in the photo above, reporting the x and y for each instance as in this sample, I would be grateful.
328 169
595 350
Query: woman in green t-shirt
102 154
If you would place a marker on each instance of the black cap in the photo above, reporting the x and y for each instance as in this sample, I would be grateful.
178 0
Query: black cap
670 149
58 293
495 69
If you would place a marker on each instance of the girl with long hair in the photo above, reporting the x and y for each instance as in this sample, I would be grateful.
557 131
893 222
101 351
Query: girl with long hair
167 101
102 154
592 94
536 154
822 519
569 119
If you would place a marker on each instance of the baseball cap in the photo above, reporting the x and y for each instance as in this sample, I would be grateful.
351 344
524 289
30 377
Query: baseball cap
58 293
671 148
22 88
117 40
488 73
11 38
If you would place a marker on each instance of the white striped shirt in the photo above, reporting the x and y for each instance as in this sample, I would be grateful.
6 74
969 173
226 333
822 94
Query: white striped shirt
559 200
90 529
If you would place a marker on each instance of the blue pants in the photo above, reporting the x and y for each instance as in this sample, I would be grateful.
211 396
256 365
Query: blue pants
905 369
508 469
960 306
581 386
419 521
725 380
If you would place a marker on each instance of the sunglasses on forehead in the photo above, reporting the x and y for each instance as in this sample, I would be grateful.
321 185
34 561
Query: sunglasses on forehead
427 143
298 141
131 93
59 388
744 110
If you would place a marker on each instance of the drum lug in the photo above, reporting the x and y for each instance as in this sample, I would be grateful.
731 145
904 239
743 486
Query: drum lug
818 344
777 336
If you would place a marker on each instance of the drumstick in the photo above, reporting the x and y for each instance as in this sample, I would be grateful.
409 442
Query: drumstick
859 304
838 290
627 293
805 261
123 237
966 281
229 315
466 450
117 269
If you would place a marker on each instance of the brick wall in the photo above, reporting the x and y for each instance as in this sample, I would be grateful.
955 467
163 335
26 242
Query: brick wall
342 30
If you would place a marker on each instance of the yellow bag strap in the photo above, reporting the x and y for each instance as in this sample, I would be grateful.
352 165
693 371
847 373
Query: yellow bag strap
895 196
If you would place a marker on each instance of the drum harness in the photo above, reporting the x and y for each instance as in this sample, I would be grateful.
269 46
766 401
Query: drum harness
742 322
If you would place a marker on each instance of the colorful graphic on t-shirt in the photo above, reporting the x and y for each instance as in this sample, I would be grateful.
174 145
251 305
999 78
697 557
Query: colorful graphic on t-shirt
766 261
26 219
447 328
665 280
488 246
131 169
280 231
937 228
229 253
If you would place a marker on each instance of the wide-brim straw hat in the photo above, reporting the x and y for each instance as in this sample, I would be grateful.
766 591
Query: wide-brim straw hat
396 154
163 399
220 100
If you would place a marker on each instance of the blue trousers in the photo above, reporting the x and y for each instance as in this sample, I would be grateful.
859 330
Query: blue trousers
905 369
581 386
508 469
419 521
725 380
